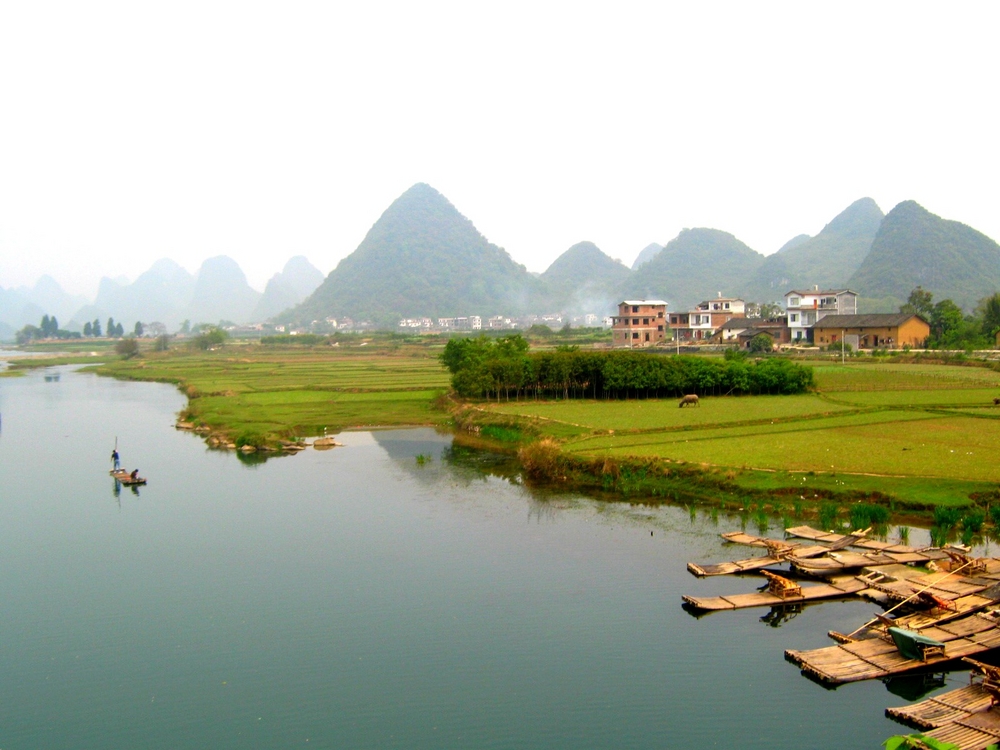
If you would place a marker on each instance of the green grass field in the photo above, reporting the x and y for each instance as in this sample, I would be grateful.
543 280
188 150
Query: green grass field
919 432
292 392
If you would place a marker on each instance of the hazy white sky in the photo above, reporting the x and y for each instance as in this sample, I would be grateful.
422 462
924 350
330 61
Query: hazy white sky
131 131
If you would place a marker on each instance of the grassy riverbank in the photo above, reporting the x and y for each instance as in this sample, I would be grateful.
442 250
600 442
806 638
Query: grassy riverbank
270 392
911 437
915 436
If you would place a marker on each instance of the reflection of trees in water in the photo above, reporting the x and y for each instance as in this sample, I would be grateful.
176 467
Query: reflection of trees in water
468 465
915 686
255 459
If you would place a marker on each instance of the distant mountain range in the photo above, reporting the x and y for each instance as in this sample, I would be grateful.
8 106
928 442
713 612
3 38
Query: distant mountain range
422 257
167 294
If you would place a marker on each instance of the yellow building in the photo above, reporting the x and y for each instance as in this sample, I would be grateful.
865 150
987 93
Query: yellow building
887 331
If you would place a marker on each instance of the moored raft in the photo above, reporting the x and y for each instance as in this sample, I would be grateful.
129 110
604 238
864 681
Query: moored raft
774 596
875 658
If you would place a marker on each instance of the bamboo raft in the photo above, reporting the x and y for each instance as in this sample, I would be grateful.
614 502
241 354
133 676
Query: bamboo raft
778 592
963 717
872 658
126 478
822 559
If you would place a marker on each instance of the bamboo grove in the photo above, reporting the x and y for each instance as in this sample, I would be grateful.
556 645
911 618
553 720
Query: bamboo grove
504 368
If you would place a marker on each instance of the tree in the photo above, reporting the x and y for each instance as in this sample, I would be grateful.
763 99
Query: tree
162 343
127 347
112 329
919 302
762 343
44 327
988 310
88 329
946 318
138 328
95 329
210 338
119 330
27 334
186 327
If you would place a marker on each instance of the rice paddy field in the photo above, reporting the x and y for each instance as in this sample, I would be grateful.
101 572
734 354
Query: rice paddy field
929 434
295 392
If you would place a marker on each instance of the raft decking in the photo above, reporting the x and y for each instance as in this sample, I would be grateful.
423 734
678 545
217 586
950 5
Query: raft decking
875 658
834 589
126 478
965 717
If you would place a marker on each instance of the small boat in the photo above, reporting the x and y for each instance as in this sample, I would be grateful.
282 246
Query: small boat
913 645
126 478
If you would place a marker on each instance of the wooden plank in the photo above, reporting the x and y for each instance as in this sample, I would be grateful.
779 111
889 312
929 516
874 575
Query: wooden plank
766 599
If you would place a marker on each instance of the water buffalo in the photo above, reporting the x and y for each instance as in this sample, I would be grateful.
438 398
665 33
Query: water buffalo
996 402
689 400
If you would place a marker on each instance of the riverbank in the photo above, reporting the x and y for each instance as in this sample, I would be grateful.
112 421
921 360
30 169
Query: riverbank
911 437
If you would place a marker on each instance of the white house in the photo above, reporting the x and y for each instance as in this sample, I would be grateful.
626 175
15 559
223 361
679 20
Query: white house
805 308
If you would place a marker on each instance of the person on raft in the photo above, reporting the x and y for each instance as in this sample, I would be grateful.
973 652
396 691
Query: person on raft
134 474
116 458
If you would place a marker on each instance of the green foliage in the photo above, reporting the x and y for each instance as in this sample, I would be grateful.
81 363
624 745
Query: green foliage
762 343
251 438
919 303
840 347
299 339
973 520
988 311
864 515
917 742
127 347
482 367
423 459
138 330
828 514
947 518
210 338
162 343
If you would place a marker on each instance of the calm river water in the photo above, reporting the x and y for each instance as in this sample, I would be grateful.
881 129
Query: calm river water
355 599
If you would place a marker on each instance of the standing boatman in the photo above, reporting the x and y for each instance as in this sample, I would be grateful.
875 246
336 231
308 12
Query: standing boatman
116 459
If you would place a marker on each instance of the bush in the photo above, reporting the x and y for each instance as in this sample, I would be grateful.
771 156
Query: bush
127 347
864 515
210 338
946 518
762 343
251 438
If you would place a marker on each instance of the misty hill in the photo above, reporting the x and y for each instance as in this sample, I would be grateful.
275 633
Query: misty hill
421 258
583 279
646 254
297 280
24 305
694 266
829 259
914 247
157 295
221 292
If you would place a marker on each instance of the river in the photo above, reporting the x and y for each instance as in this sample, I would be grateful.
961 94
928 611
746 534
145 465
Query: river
356 598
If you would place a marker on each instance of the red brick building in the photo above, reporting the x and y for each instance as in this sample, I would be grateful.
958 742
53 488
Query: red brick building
639 323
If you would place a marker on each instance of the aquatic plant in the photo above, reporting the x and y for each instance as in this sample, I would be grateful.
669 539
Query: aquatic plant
973 520
946 518
828 513
904 534
422 458
864 515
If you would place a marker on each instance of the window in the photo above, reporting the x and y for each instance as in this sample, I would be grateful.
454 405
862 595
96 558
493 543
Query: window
793 301
794 318
727 305
673 319
635 321
635 309
645 321
659 328
635 334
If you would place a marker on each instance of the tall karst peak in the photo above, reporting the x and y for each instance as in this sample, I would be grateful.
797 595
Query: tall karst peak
421 258
914 247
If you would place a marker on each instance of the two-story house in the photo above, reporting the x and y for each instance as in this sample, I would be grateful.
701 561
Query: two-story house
701 323
639 323
804 308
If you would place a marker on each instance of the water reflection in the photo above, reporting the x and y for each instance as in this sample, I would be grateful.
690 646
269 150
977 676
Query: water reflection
913 687
778 616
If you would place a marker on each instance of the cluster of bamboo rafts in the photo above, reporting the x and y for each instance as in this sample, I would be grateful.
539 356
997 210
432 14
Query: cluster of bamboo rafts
941 606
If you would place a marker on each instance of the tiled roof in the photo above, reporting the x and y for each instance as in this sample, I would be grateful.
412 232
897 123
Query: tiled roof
875 320
642 302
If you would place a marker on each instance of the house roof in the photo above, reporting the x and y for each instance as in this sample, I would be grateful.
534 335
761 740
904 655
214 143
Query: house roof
761 323
875 320
642 302
749 333
814 292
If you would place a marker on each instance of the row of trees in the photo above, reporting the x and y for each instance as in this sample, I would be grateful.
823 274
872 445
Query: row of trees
48 329
503 367
950 327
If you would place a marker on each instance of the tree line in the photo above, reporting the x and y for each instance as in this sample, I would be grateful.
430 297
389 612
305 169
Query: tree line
950 327
503 367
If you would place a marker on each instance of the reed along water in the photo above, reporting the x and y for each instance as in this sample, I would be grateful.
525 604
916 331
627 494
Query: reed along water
362 598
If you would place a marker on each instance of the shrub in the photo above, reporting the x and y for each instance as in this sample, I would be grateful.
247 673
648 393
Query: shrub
973 520
946 518
127 347
864 515
251 438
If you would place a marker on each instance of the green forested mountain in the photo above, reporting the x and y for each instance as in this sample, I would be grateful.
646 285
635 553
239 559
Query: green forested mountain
694 266
829 259
914 247
421 258
583 279
297 280
646 254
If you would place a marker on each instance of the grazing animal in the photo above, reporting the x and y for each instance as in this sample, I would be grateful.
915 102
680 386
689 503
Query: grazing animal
996 402
689 400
